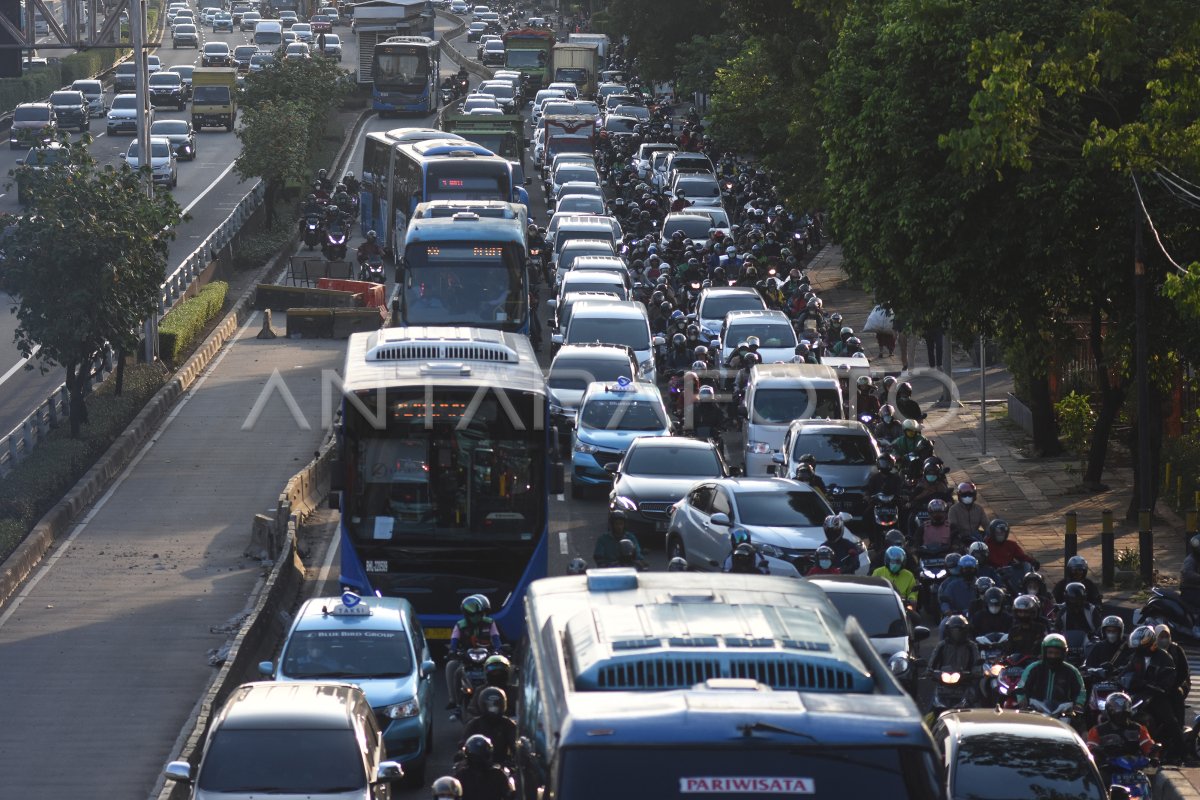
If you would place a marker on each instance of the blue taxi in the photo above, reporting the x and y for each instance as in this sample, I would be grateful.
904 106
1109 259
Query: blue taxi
610 417
377 644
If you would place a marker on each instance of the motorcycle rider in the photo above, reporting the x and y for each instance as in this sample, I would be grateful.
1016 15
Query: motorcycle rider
888 429
980 551
1005 555
1029 626
1150 673
1118 734
991 617
910 441
480 776
475 629
845 552
1051 680
935 531
957 652
323 181
957 591
608 544
1110 646
352 184
807 474
1183 673
902 580
1077 570
370 248
577 567
739 540
311 207
907 407
677 564
1034 584
968 521
1076 614
823 563
492 723
343 200
868 403
707 416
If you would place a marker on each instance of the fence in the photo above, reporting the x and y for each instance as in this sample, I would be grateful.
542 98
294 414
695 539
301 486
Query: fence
32 430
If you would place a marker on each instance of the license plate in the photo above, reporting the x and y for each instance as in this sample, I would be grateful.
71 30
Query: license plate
661 527
437 633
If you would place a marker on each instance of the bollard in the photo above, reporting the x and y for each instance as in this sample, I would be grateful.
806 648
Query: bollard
1108 562
1167 475
1179 491
267 331
1146 546
1071 539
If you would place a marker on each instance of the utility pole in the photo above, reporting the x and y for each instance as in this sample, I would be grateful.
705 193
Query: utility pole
137 35
1142 369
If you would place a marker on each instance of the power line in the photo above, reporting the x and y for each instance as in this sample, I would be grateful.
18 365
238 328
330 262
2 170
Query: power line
1180 194
1146 213
1179 178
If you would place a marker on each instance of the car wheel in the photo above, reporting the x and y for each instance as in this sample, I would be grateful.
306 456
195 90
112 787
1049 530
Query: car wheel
675 548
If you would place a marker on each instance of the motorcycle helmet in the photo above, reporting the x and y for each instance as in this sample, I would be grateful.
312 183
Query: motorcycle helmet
1039 584
983 584
677 315
743 560
479 750
835 319
707 393
966 493
1144 640
677 564
1026 608
1163 632
864 383
979 550
993 598
1054 648
904 389
753 342
998 531
887 413
627 551
339 189
577 567
738 536
956 629
447 788
474 608
953 562
1117 707
845 333
937 511
853 346
322 174
312 198
886 462
701 352
969 568
824 556
678 340
1077 568
889 382
834 527
893 559
498 670
493 701
893 538
1194 543
1113 629
911 427
372 236
1075 594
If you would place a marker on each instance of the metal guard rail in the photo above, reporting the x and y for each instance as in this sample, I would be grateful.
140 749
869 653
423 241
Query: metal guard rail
16 446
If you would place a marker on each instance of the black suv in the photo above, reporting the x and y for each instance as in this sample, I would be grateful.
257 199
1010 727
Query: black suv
166 89
71 109
125 77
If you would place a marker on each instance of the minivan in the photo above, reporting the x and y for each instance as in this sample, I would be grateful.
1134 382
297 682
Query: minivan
777 394
268 34
622 323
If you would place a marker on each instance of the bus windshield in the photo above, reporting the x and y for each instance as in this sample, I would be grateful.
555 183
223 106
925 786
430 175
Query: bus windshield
745 769
464 283
400 69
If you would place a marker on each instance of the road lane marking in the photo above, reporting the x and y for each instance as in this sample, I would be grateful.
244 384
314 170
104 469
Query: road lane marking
15 367
563 546
210 187
125 473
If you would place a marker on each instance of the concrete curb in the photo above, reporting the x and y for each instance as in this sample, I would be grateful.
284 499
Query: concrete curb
1171 784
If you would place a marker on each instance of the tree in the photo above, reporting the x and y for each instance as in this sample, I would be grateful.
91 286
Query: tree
275 148
656 30
87 262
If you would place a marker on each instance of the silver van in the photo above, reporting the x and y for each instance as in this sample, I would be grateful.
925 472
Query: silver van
623 323
776 395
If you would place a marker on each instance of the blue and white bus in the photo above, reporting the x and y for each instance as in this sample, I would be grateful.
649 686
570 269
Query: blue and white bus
446 466
404 75
464 269
398 175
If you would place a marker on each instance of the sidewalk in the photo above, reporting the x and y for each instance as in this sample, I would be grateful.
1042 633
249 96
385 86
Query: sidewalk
105 649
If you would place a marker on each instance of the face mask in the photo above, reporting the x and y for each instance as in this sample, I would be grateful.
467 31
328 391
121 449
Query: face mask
894 567
887 418
931 478
1164 643
1113 637
824 563
994 608
966 501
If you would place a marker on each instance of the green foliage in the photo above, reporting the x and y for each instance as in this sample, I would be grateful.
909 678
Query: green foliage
30 88
1076 419
1183 454
308 89
275 143
86 279
656 30
256 251
40 481
181 328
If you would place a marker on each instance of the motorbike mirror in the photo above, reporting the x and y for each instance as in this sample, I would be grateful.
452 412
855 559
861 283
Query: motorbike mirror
846 517
1118 793
920 633
659 341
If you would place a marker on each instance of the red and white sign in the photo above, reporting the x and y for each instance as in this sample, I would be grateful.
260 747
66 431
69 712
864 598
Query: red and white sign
746 785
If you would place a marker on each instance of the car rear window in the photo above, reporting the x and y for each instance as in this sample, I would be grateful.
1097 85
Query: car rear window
837 448
692 462
781 509
577 373
718 307
30 114
281 761
1002 765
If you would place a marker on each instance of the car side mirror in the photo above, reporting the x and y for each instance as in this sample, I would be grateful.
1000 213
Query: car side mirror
778 458
556 338
266 668
180 771
720 519
389 772
920 633
659 341
612 467
428 667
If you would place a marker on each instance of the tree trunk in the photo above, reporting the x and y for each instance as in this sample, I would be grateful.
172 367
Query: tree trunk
269 198
1112 397
120 382
1045 428
78 376
1155 478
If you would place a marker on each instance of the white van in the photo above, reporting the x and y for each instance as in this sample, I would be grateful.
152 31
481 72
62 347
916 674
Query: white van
623 323
776 395
268 34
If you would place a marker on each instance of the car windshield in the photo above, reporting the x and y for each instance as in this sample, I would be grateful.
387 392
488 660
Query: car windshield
632 333
577 373
157 150
673 461
619 124
165 79
65 99
1001 765
586 107
757 770
347 653
837 448
877 612
623 415
698 187
572 172
581 203
47 155
781 406
770 334
297 761
31 114
693 226
717 307
118 102
794 509
169 127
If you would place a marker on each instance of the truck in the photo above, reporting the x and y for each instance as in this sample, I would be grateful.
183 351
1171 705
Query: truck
503 134
598 39
568 133
577 63
214 97
528 51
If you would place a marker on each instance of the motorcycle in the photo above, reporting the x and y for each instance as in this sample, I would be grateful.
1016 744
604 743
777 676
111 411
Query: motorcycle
1009 678
1126 771
1064 712
371 269
887 516
1167 607
1102 685
950 690
932 565
334 248
312 231
473 679
991 655
446 95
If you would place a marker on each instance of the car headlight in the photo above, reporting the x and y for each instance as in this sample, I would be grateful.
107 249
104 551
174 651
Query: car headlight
899 664
625 503
758 448
646 365
403 710
769 550
584 447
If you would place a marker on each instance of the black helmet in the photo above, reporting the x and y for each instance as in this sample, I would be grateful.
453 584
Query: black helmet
1026 607
894 538
679 340
1117 707
1035 578
904 389
834 527
493 700
956 629
993 598
447 788
1075 593
998 530
1077 568
743 559
886 462
479 750
984 584
497 670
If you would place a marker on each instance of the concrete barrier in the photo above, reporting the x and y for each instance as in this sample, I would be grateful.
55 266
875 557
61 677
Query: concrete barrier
1171 784
283 298
462 59
332 323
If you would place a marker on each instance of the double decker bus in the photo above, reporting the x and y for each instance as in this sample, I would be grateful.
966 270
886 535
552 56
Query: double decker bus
446 465
464 269
404 75
398 174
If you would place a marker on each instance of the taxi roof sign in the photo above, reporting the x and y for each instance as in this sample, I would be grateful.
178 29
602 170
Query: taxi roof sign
351 606
623 384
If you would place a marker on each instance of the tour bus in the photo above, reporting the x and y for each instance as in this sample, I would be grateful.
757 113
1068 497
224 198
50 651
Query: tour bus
463 269
445 469
654 685
404 75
